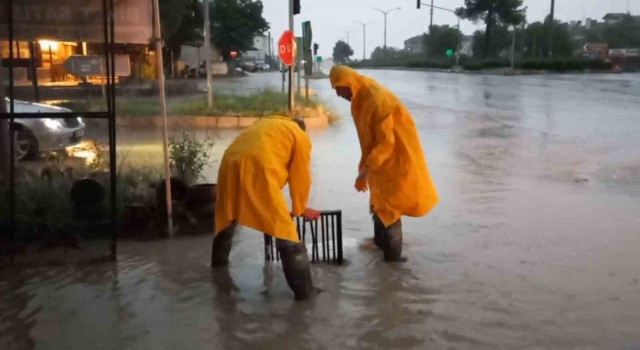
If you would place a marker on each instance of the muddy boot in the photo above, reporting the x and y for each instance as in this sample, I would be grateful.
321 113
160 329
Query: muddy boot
222 247
393 243
378 232
295 263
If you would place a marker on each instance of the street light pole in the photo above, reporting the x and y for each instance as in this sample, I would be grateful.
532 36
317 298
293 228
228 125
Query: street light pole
385 13
364 39
348 36
553 5
448 10
431 20
163 111
207 53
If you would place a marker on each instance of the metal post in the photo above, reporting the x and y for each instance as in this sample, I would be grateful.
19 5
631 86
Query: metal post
173 65
364 39
298 75
163 112
385 13
198 62
459 42
34 69
4 135
364 42
207 53
269 49
431 20
293 65
306 86
513 48
385 31
551 25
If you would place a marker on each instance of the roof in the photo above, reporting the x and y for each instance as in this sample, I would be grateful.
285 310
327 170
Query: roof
614 16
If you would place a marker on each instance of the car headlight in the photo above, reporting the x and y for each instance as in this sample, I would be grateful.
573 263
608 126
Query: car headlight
80 120
52 124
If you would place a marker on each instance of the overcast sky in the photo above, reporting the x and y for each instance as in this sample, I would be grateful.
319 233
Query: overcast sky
330 19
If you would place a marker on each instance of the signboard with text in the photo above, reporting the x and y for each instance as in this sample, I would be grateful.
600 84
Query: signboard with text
287 48
76 20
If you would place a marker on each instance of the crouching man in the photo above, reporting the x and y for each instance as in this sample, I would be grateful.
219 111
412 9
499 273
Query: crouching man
254 170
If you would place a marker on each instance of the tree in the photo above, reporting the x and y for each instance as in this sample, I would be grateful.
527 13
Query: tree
623 34
234 23
440 39
342 51
502 40
492 12
536 44
181 22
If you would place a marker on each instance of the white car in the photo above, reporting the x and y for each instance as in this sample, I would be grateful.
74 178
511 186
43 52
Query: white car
35 136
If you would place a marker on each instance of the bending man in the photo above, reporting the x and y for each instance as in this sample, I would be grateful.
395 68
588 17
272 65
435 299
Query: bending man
393 164
253 172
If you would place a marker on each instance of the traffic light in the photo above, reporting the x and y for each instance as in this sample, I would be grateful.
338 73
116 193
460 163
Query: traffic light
296 7
418 4
315 49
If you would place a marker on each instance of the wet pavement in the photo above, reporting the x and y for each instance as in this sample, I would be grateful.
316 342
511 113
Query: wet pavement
534 244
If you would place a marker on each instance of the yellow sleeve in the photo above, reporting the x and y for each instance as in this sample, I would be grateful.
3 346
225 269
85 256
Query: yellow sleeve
384 142
300 173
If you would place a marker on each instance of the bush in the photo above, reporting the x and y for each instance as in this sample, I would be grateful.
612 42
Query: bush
189 157
565 65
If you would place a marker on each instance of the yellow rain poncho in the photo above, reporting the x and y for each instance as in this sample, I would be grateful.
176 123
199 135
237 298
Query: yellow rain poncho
398 179
253 172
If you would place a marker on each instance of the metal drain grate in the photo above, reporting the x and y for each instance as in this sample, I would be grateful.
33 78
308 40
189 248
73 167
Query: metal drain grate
326 238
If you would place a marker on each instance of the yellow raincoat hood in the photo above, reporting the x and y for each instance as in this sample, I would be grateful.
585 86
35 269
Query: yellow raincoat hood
399 180
256 166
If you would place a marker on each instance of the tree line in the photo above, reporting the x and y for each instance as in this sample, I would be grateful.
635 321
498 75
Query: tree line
538 40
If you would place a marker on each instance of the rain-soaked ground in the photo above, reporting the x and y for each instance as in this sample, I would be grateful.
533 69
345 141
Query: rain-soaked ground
534 244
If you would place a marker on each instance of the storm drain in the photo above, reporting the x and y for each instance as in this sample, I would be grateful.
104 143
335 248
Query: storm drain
325 235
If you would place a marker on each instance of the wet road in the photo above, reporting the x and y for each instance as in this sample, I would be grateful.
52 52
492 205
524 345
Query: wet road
533 246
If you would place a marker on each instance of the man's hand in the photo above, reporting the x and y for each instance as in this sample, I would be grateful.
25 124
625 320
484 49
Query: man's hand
311 214
361 181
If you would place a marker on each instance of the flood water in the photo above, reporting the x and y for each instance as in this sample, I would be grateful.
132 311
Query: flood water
534 244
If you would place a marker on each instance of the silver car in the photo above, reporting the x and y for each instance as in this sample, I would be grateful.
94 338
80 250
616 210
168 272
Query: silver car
35 136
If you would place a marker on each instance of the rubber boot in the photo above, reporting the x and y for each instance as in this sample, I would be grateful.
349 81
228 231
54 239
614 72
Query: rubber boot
297 272
378 232
393 243
222 247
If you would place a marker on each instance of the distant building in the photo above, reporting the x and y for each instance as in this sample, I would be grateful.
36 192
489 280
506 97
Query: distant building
613 18
415 44
259 52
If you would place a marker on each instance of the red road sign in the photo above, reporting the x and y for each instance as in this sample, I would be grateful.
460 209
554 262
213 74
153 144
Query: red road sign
287 48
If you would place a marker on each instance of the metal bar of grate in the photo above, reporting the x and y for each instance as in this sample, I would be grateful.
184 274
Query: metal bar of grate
326 238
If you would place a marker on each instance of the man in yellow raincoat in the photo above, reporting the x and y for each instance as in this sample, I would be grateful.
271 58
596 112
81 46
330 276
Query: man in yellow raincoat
254 169
393 164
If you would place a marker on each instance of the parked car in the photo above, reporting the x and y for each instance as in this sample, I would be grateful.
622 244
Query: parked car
249 67
35 136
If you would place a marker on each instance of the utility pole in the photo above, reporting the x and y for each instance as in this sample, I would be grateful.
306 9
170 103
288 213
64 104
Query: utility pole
4 136
551 25
431 20
163 111
348 36
385 13
207 53
513 49
452 11
364 39
293 64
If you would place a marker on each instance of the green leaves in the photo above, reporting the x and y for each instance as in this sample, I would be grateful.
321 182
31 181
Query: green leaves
189 157
341 52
